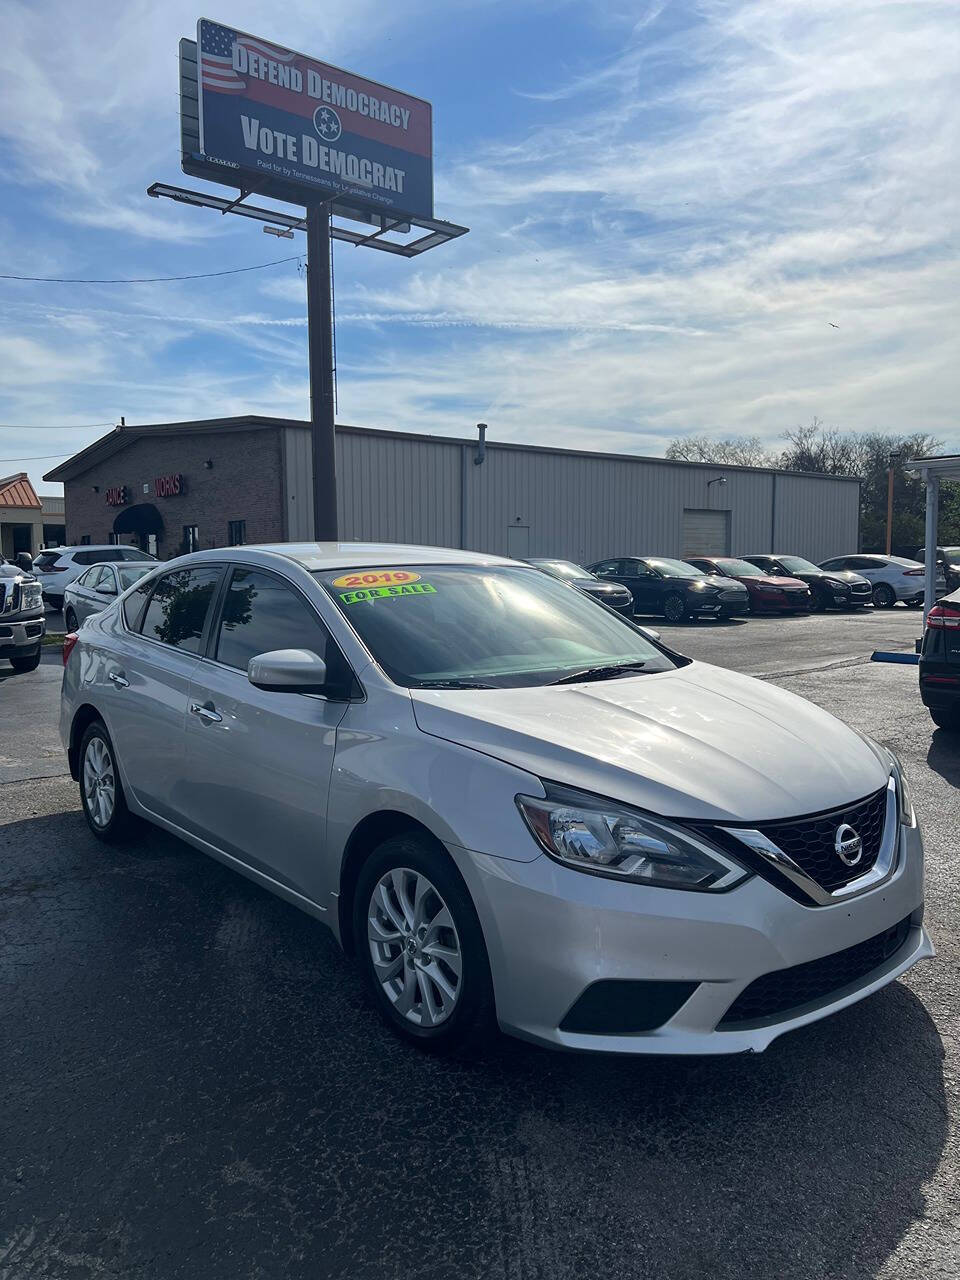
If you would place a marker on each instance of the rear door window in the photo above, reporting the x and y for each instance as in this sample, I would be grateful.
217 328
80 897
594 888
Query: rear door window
179 607
134 604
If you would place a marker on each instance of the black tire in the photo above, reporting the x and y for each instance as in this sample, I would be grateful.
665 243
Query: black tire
884 596
70 620
26 662
472 1020
945 718
674 607
121 821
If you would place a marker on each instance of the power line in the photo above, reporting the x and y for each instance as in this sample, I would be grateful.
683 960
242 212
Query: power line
50 426
200 275
43 457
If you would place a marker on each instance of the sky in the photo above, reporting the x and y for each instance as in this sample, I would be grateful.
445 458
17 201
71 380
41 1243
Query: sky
721 217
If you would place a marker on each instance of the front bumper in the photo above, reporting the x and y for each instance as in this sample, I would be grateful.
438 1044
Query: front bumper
785 602
20 638
552 932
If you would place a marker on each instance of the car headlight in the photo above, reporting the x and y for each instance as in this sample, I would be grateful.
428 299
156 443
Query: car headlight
908 816
834 585
599 837
32 595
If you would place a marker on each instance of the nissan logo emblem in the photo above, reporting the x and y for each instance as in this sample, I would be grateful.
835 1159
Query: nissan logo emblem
847 845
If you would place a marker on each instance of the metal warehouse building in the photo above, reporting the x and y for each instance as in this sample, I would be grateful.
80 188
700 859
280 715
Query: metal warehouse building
182 485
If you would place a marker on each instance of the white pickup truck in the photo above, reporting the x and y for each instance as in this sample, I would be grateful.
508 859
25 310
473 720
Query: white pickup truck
21 617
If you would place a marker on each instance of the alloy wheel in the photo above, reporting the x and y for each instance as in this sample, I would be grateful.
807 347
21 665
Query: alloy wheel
673 608
883 596
415 947
99 782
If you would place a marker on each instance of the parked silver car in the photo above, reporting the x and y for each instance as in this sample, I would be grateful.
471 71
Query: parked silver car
95 588
512 804
891 578
57 567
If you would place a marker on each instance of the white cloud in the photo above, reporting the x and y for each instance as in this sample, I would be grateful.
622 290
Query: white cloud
666 249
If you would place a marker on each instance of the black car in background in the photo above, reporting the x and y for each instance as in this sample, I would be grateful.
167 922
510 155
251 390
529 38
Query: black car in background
608 593
836 589
674 588
940 662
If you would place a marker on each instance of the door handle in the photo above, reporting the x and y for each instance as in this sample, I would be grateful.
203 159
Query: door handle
206 712
119 680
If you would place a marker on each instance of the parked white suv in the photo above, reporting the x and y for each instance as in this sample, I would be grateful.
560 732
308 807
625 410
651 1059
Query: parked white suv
892 577
57 567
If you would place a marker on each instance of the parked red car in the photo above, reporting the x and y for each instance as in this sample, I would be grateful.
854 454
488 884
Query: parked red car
778 595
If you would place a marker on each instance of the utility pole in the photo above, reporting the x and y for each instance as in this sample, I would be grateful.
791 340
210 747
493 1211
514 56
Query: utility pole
890 461
320 345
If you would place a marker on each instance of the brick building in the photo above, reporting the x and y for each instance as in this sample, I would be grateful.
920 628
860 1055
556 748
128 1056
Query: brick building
180 485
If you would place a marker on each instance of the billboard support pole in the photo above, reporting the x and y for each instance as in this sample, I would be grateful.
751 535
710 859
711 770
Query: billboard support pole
320 344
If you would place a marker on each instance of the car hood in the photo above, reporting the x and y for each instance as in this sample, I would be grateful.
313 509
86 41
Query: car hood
713 579
699 742
774 580
844 575
599 588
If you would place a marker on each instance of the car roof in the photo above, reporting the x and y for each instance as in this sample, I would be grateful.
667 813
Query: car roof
79 546
351 555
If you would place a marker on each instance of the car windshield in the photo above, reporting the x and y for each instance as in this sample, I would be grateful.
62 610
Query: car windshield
129 574
562 568
741 568
676 568
796 564
479 625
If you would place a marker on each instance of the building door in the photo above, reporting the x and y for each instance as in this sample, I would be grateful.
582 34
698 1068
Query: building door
518 541
144 522
705 533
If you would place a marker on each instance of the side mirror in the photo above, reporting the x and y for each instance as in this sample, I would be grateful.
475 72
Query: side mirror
651 634
288 671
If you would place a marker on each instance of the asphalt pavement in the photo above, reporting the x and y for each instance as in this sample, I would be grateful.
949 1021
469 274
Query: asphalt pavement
193 1085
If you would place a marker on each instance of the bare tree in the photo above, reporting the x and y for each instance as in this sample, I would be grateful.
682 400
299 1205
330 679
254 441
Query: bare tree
740 451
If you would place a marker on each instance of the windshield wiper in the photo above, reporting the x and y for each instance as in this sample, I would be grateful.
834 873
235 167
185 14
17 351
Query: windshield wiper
453 684
600 673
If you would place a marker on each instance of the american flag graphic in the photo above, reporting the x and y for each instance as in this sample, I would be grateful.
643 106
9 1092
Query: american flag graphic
216 56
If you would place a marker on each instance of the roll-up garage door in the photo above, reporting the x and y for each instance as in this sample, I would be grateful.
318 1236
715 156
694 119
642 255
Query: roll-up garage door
705 533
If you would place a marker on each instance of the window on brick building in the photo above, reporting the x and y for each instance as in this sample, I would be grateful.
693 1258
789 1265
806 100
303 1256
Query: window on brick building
238 533
85 540
191 538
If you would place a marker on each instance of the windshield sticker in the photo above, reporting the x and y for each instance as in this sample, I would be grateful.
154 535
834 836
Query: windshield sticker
378 593
376 578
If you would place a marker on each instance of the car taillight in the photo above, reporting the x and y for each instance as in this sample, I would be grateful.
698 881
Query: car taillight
53 568
914 573
943 615
69 640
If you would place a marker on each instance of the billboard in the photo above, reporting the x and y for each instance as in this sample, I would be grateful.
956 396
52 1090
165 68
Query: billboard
270 112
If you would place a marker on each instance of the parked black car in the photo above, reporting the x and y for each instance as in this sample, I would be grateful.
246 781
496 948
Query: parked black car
940 662
608 593
674 588
836 589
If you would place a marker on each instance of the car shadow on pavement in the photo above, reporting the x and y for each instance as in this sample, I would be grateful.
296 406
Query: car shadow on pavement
195 1085
944 755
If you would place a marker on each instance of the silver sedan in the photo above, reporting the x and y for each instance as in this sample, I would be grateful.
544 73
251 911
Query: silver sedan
510 803
98 587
